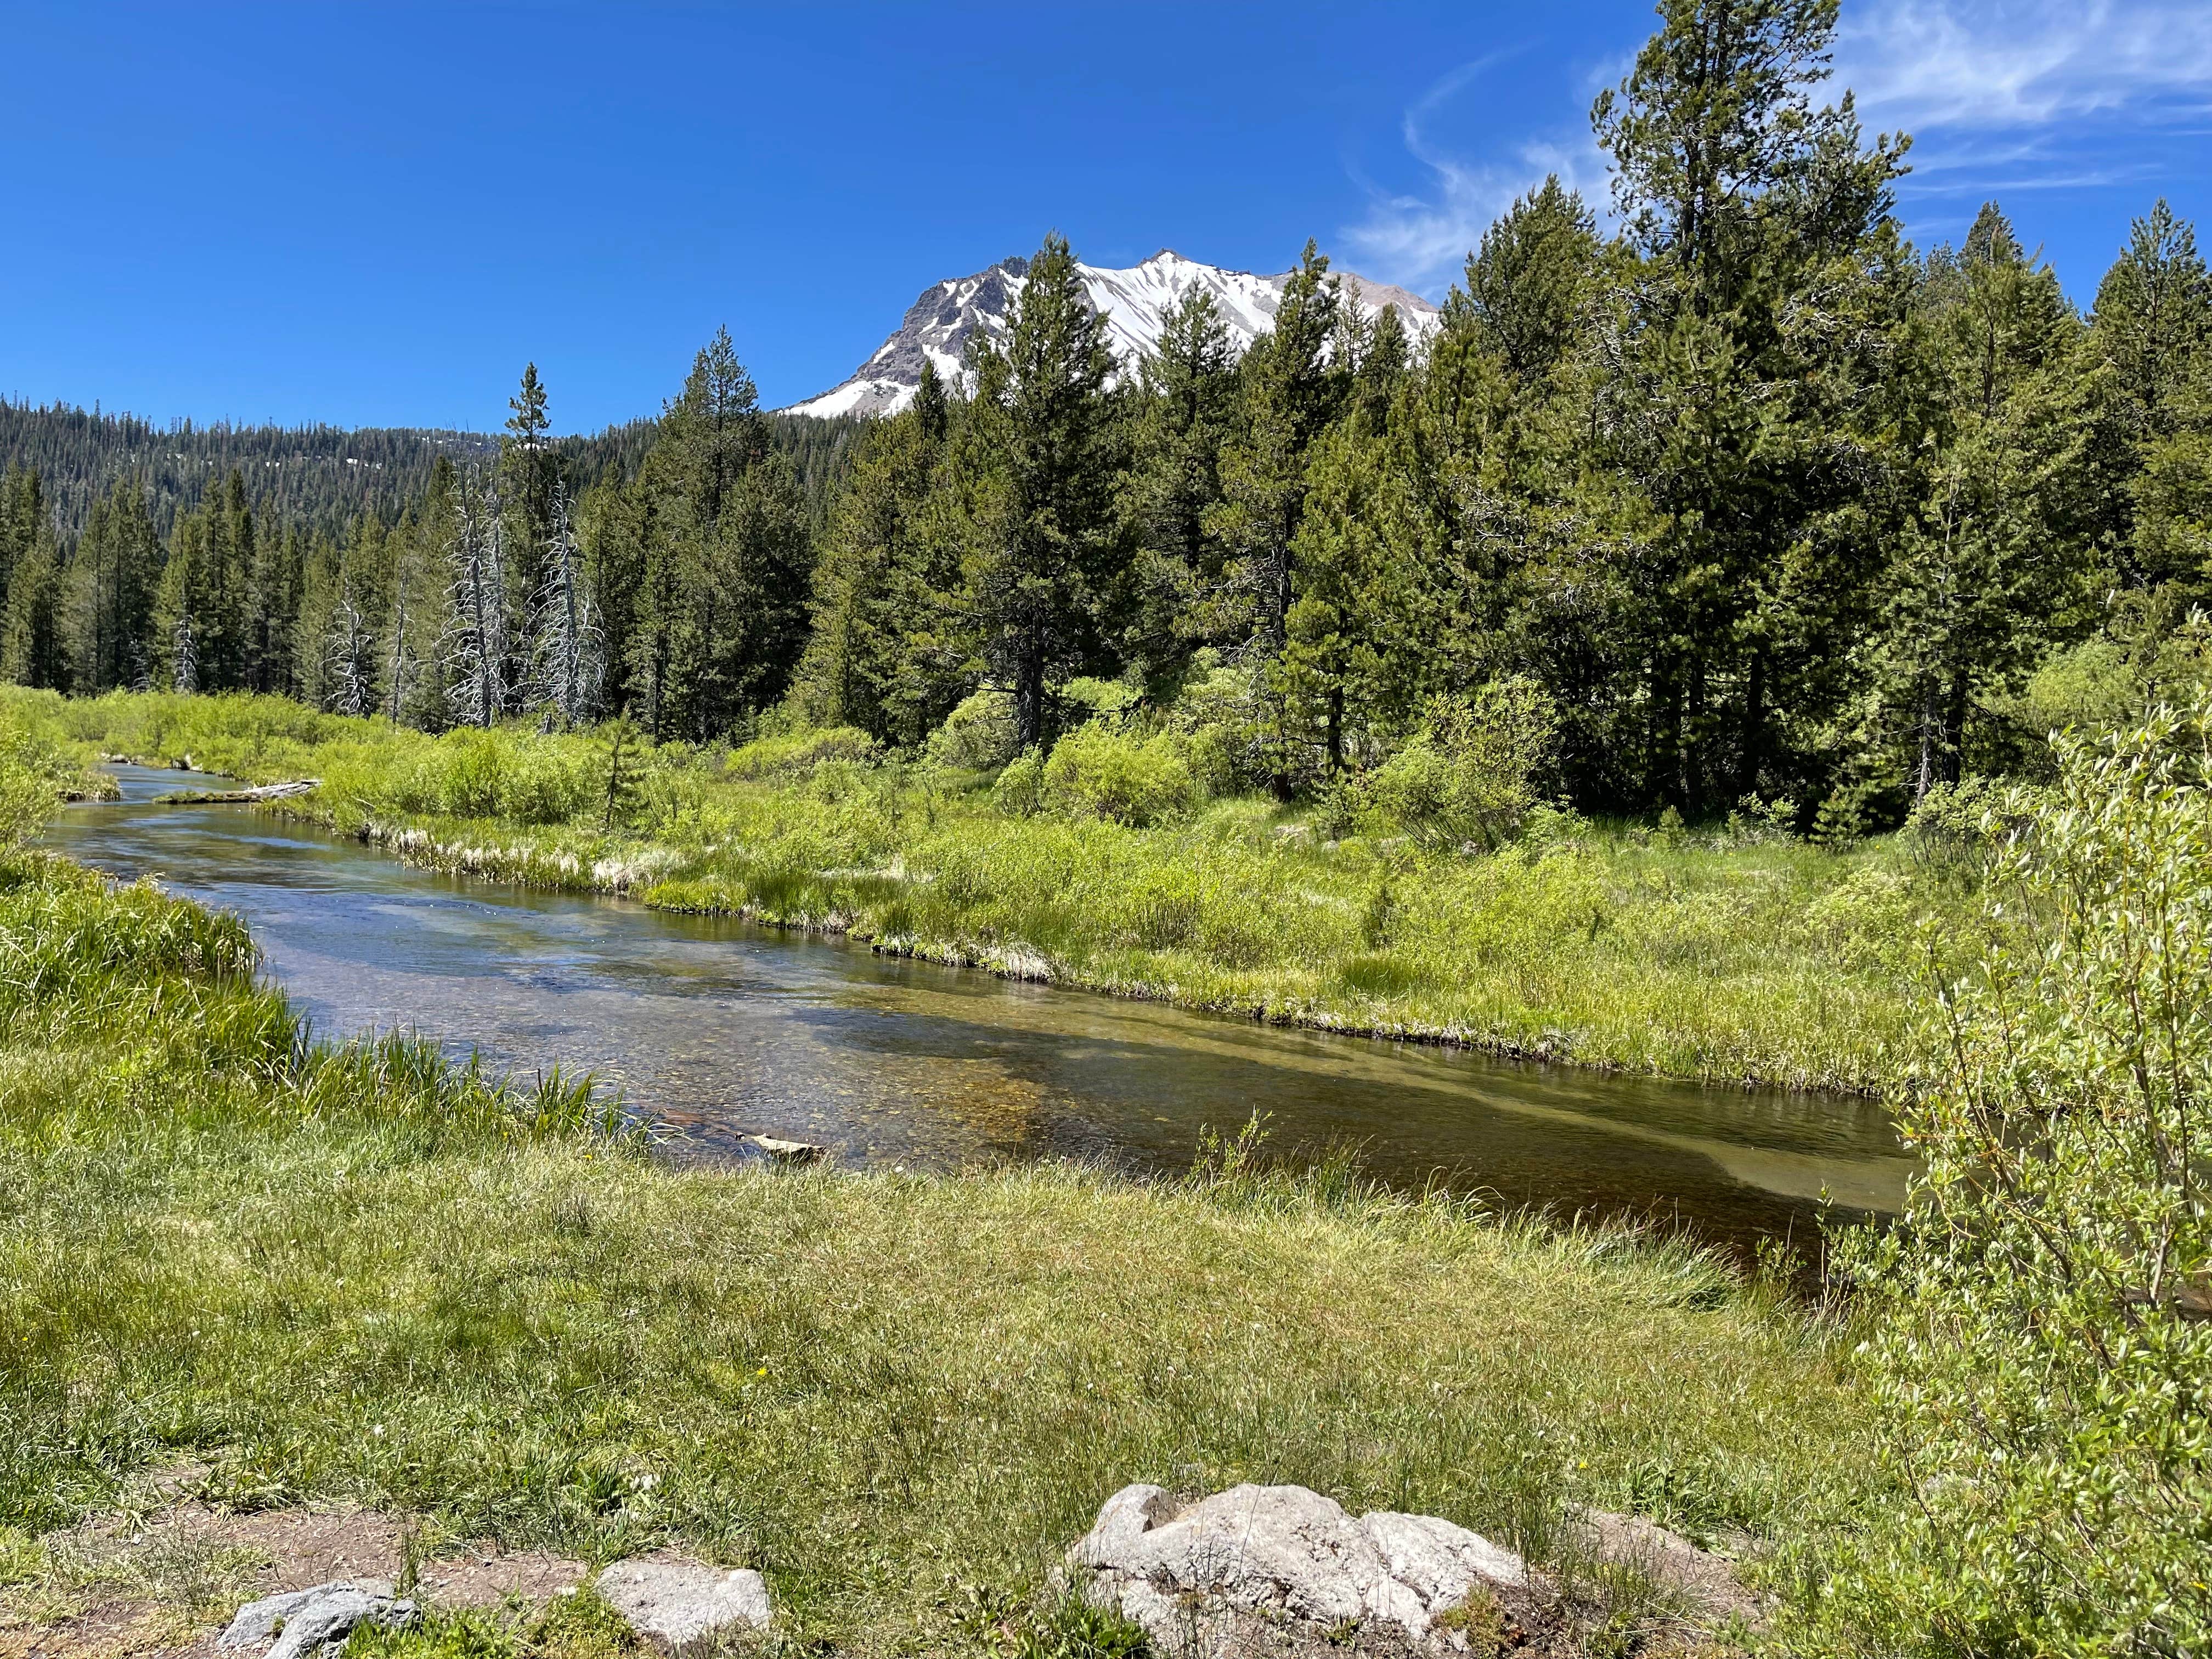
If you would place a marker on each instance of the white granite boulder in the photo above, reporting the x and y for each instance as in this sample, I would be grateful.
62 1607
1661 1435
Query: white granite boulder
301 1624
1281 1554
680 1606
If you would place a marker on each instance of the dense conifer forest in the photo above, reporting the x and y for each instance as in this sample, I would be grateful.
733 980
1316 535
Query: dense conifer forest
1748 501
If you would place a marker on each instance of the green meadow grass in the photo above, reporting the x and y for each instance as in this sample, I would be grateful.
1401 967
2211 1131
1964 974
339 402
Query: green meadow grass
1695 955
360 1274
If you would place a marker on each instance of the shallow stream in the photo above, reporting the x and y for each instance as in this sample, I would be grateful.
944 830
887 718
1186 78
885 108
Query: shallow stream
717 1028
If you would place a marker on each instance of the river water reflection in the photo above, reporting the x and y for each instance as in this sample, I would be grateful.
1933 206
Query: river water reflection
718 1028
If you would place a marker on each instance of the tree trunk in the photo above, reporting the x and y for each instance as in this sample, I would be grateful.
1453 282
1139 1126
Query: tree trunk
1931 737
1662 740
1754 740
1690 782
1029 701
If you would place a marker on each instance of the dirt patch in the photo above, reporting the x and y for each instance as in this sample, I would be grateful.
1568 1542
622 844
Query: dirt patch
126 1584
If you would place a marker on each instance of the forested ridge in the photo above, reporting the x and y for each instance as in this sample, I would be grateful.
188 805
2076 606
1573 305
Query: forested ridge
1748 503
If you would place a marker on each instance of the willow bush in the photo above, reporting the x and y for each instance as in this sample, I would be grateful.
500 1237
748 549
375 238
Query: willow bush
2044 1361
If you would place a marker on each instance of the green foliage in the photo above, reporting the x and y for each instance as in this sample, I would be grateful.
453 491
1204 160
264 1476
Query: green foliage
352 1278
1070 1627
1120 775
978 734
1041 542
1471 772
1018 790
1767 501
1527 280
799 752
1702 957
481 774
35 776
2044 1351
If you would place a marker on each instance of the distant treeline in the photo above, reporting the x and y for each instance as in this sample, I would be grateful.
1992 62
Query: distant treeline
313 477
1749 498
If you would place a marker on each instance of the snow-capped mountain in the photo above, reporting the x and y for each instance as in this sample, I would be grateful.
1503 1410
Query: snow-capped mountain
1133 301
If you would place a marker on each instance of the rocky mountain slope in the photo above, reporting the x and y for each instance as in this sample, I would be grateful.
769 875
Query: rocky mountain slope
937 326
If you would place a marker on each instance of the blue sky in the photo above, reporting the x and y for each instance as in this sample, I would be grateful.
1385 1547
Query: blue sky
373 215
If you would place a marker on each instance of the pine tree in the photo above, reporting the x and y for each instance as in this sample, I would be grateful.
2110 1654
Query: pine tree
529 473
1994 563
32 649
23 516
2153 329
1291 392
278 574
2153 320
881 654
1042 539
111 581
1188 413
414 623
722 613
1528 283
223 606
1759 218
179 628
417 621
349 657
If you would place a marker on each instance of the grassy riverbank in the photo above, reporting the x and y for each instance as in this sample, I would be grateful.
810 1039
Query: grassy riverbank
356 1274
1738 955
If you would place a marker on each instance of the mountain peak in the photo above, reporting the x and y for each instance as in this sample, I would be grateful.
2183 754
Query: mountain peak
938 325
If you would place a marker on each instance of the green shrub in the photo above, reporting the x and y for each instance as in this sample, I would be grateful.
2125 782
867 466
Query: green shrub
2044 1358
471 773
1219 712
977 735
34 775
1019 791
793 754
1471 772
1118 775
1088 699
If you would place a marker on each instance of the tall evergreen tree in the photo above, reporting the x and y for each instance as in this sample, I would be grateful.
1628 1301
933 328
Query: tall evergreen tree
722 613
1187 415
476 648
529 473
112 580
414 627
882 655
23 516
32 648
1992 566
2152 328
177 648
1745 199
1042 541
1529 279
349 671
1291 391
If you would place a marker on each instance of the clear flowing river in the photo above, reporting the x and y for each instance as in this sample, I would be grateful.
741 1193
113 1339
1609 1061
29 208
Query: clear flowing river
718 1029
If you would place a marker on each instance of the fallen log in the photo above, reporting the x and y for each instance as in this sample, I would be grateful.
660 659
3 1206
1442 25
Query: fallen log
227 797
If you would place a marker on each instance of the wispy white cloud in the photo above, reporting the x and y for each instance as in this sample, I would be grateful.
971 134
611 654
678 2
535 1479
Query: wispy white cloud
1931 66
2007 98
1421 239
2002 95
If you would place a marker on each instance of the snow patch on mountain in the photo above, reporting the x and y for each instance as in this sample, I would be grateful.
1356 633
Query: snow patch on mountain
1135 301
